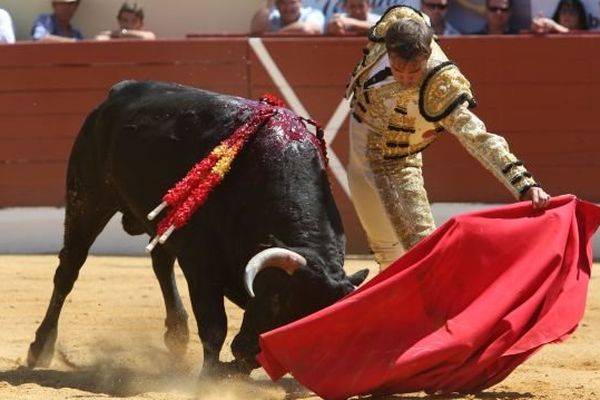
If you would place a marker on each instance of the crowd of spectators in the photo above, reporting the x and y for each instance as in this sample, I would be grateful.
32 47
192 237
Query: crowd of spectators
307 17
57 27
343 17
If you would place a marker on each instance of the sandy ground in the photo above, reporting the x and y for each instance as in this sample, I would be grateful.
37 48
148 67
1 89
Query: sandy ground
110 343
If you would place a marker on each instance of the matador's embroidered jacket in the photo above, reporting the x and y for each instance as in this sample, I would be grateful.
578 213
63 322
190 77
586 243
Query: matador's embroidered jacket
409 120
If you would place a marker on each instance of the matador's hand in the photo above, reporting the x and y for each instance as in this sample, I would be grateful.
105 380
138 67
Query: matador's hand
539 198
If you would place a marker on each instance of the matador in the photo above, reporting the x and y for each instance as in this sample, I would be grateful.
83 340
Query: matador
399 107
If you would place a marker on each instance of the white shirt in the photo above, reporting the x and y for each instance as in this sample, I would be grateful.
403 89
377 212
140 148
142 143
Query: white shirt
307 14
7 33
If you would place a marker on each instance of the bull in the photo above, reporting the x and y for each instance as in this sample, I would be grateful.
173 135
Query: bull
273 209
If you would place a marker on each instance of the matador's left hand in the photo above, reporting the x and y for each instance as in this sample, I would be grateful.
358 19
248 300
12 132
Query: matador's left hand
539 198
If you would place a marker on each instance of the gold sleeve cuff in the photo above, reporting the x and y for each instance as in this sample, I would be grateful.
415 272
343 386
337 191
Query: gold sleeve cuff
444 89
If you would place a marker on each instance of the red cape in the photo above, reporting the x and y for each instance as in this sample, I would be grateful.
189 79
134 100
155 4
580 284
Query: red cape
457 313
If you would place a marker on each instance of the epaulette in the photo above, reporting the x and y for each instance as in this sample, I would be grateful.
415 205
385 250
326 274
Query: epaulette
444 89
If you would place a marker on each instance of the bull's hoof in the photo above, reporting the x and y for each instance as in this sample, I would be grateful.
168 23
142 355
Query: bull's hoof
176 340
41 350
40 355
225 370
241 368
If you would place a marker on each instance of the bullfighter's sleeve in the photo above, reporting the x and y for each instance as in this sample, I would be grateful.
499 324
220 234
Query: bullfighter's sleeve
489 149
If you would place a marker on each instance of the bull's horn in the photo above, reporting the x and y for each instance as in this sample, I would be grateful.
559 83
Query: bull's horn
285 259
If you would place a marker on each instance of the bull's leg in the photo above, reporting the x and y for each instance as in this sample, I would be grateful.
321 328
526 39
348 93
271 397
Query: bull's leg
177 335
206 295
85 218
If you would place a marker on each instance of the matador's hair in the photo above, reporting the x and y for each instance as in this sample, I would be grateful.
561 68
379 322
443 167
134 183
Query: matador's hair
408 38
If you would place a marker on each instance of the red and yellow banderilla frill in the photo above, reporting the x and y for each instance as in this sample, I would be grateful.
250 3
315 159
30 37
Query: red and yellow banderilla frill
193 190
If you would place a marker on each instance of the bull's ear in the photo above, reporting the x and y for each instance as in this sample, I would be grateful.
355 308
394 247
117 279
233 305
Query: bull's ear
358 277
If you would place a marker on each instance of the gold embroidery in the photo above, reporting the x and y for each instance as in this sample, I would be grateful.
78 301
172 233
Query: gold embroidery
402 191
393 15
394 111
443 90
490 150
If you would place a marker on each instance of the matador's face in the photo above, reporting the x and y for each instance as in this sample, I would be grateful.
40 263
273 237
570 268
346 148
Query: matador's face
409 73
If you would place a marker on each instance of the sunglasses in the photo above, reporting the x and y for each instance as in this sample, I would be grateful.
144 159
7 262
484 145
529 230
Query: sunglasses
434 6
498 9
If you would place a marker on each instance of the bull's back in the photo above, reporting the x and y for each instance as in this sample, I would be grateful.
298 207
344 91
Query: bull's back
146 135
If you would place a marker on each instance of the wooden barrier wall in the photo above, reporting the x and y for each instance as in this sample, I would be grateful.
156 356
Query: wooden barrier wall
541 93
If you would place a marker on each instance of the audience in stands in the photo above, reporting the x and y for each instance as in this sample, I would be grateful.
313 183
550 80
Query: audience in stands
570 15
497 16
357 18
56 27
287 16
7 33
331 7
436 10
131 24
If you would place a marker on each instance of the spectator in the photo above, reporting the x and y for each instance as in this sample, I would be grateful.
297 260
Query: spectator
358 18
131 24
497 16
56 27
7 33
327 7
570 15
436 10
288 16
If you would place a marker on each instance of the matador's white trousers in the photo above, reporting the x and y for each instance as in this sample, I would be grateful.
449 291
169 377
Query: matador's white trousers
388 195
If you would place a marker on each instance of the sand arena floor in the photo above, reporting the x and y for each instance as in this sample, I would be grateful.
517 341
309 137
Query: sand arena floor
110 343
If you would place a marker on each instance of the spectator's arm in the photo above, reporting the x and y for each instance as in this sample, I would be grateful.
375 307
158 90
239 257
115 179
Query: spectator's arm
135 34
312 25
547 25
307 28
260 20
142 34
104 35
40 33
56 39
126 34
355 25
335 26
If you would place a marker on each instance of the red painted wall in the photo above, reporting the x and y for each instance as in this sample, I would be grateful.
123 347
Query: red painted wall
541 93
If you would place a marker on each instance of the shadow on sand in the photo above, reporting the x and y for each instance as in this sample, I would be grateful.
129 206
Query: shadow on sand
116 380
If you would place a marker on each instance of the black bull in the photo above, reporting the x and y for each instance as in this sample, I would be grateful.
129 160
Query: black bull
141 141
